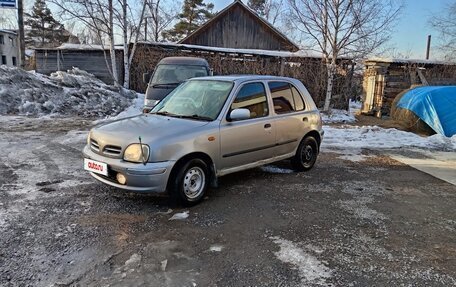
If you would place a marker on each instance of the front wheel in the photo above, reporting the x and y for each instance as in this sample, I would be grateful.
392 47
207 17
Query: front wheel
191 182
306 155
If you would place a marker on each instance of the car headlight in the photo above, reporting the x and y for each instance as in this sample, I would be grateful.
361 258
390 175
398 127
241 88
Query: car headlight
133 153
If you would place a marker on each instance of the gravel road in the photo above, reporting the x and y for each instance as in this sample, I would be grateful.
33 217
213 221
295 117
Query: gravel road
344 223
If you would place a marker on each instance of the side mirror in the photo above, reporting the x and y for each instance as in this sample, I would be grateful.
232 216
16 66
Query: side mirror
239 114
146 78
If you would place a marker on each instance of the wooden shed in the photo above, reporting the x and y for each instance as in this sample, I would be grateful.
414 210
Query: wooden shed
91 58
237 26
384 79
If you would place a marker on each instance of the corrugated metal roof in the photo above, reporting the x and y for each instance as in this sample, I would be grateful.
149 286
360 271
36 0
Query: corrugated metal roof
8 32
408 61
245 52
86 47
271 53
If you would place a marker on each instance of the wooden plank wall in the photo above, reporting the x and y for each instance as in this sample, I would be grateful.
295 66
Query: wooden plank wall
311 71
91 61
238 29
397 79
402 76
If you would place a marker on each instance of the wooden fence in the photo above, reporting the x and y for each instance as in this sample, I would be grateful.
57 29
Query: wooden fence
310 70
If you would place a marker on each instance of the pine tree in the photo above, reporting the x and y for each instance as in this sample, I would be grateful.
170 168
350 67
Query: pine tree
259 6
194 14
42 29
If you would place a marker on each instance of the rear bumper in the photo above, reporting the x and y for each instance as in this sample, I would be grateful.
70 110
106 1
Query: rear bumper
151 177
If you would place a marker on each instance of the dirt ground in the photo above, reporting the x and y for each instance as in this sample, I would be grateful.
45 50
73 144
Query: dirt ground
375 222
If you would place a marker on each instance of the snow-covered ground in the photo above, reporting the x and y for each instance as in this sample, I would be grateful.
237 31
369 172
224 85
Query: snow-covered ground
349 141
311 270
374 137
342 116
71 93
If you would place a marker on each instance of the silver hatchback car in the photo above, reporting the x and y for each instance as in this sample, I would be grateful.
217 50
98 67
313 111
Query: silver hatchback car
206 128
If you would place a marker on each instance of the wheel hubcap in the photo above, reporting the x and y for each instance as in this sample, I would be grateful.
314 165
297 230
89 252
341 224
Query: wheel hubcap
194 182
307 154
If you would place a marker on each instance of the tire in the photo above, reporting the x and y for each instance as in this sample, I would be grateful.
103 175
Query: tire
191 183
306 154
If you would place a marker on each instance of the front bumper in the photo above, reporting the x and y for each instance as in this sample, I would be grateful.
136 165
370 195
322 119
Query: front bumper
151 177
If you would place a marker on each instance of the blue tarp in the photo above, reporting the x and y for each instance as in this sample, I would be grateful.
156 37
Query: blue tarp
435 105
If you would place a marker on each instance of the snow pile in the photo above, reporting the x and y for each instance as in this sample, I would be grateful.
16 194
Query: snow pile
310 269
373 137
133 110
179 216
216 248
342 116
72 93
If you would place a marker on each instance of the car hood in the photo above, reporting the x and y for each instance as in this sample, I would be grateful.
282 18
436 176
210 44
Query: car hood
147 126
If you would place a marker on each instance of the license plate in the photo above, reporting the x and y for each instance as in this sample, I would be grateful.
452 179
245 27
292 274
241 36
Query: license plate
96 166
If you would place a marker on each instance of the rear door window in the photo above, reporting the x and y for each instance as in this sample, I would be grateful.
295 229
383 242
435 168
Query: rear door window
252 96
286 97
299 102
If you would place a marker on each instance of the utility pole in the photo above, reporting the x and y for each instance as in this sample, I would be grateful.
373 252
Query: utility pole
20 23
145 29
428 48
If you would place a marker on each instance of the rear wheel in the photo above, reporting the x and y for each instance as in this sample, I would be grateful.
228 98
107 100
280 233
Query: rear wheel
306 155
191 182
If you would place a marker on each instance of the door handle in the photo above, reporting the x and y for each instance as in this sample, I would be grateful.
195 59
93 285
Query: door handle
305 119
266 126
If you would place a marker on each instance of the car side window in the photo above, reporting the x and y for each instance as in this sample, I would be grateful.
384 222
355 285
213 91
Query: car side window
282 97
252 96
299 102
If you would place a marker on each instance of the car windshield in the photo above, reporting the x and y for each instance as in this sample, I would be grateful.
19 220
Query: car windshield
175 74
197 99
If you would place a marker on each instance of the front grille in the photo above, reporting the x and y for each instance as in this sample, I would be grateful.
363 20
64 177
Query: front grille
94 145
112 150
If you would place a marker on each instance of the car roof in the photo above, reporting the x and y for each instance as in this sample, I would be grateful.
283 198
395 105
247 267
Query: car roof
183 61
242 78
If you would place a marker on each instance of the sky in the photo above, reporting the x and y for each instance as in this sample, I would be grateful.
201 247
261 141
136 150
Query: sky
413 28
410 32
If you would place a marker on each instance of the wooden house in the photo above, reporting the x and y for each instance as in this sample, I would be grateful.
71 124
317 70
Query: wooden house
237 26
384 79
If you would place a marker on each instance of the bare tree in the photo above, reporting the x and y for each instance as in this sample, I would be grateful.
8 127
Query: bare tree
104 19
445 24
129 30
338 28
97 16
8 18
161 15
273 11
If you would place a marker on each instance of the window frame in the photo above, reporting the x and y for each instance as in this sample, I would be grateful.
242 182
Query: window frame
6 60
2 40
272 98
291 86
238 89
300 96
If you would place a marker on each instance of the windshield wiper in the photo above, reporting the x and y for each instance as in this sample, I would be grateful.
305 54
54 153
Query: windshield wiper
165 113
196 117
165 84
